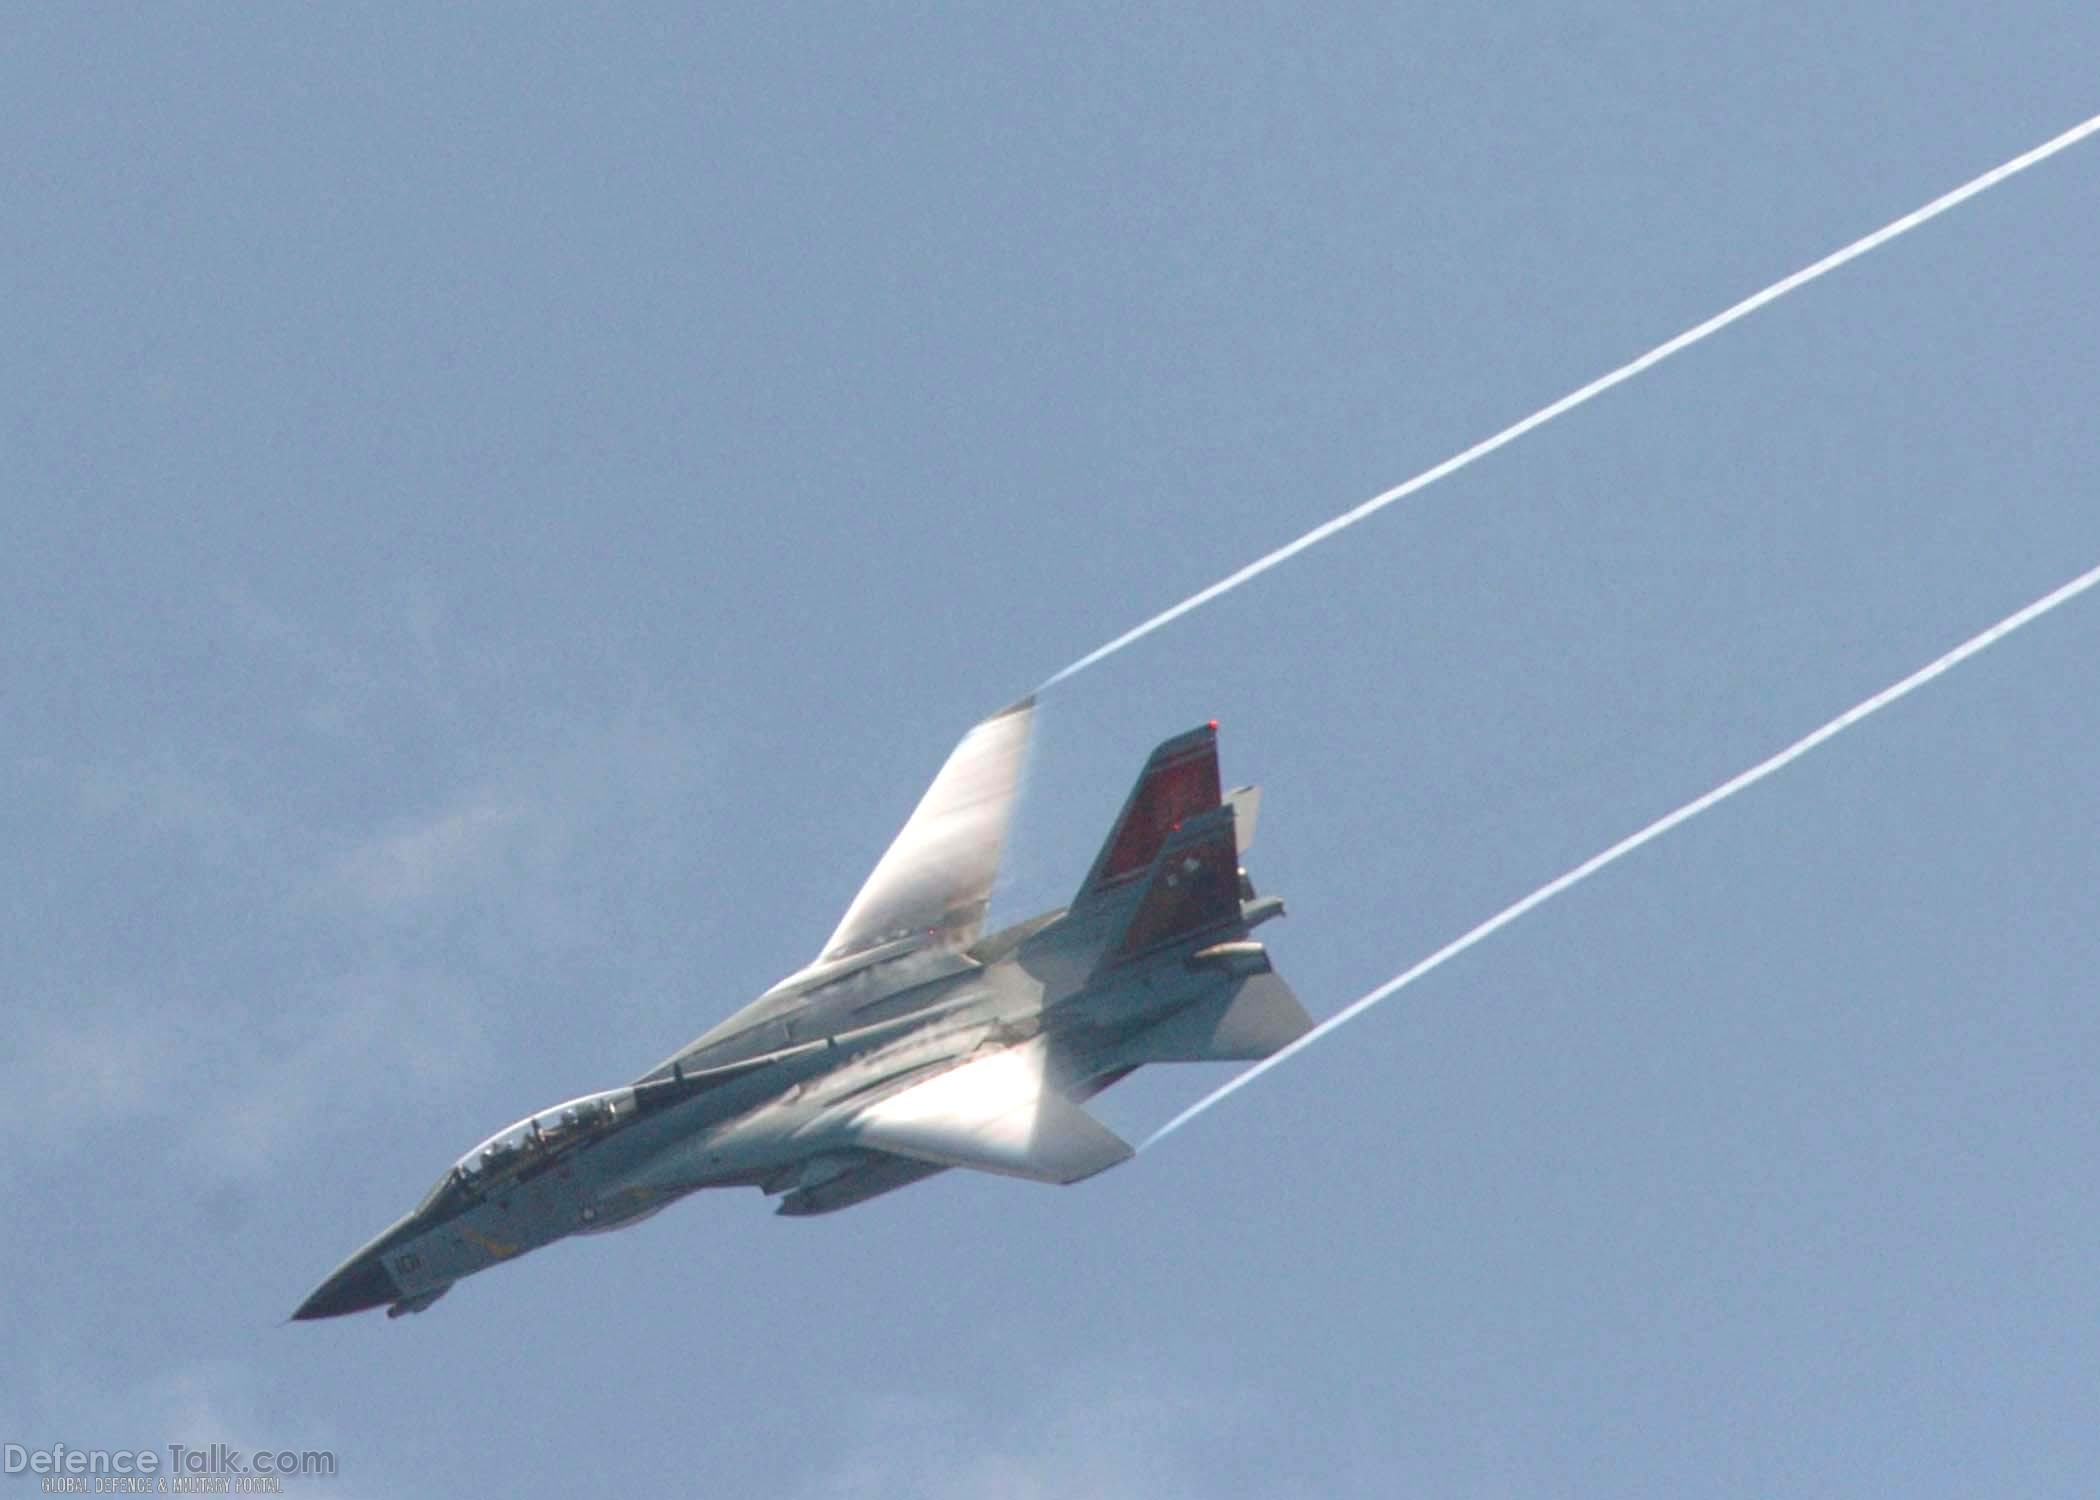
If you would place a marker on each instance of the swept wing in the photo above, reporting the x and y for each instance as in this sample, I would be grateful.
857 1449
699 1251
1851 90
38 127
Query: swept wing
936 877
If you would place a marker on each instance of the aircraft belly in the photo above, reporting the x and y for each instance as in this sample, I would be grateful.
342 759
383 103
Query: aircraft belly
878 1175
759 1141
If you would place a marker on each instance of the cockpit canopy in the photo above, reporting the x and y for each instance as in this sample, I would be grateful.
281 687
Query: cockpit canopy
534 1140
539 1136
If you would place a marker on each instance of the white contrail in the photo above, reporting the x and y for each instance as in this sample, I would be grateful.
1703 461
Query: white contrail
1654 830
1597 387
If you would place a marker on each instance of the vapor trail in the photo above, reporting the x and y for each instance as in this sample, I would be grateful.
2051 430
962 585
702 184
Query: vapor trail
1597 387
1655 830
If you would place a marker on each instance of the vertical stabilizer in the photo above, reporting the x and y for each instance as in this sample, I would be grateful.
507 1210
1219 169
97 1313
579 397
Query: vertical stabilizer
1179 782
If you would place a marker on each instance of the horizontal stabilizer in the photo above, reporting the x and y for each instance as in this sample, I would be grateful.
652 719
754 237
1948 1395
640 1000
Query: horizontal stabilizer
1259 1017
997 1114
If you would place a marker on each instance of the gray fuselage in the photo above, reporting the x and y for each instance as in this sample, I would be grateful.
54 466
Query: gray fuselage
766 1098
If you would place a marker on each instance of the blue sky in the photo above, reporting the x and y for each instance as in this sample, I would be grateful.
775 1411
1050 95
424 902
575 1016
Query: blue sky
506 512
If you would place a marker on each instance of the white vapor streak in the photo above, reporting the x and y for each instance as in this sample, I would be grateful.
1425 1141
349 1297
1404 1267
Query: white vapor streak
1626 846
1597 387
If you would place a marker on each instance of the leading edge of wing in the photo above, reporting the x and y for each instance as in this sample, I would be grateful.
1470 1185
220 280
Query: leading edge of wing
936 877
998 1113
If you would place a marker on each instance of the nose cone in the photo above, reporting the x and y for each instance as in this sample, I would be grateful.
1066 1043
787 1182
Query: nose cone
362 1282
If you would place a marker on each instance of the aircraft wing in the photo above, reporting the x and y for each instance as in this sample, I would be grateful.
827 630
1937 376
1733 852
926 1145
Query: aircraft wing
937 875
998 1113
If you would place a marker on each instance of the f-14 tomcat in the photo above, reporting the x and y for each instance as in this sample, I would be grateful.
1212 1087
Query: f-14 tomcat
914 1043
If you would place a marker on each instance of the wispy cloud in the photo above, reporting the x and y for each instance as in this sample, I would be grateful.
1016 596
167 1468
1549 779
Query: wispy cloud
191 1402
101 1061
455 849
353 1046
375 1039
305 942
163 799
509 843
1103 1432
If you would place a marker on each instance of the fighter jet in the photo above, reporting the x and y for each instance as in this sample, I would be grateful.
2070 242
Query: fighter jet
915 1042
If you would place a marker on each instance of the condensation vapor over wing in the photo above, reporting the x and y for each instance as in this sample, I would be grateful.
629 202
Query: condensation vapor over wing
1597 387
1844 721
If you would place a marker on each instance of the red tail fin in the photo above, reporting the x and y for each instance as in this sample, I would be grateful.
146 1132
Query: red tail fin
1179 782
1194 889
